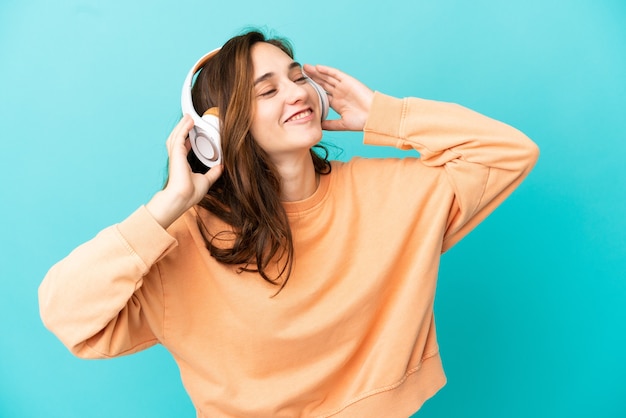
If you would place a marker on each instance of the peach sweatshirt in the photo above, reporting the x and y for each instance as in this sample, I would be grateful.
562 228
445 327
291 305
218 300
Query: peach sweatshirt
352 334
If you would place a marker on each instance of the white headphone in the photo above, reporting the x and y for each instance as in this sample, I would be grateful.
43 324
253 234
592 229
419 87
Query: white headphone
205 134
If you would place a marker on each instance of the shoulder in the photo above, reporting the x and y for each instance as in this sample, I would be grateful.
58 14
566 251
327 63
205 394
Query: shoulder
186 231
377 169
387 178
191 228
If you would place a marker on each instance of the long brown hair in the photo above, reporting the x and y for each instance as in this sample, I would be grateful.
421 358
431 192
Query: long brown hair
247 195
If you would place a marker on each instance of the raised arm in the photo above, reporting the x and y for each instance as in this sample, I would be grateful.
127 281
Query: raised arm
94 300
484 160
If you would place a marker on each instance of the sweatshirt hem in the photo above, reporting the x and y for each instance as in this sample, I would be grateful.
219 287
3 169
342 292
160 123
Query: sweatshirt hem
400 399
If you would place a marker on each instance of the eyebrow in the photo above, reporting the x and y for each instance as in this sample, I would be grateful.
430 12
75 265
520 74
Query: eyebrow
265 76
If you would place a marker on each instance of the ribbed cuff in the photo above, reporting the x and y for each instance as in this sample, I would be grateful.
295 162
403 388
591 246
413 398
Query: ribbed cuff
145 237
383 125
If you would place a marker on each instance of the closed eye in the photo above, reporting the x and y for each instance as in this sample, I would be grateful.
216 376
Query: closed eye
268 93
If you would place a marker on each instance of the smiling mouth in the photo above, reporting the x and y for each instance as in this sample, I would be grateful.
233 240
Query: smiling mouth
300 115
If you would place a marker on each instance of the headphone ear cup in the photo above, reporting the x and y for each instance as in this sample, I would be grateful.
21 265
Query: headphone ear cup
205 140
324 105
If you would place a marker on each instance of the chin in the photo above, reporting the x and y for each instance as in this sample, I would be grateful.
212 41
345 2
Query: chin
319 133
311 137
315 140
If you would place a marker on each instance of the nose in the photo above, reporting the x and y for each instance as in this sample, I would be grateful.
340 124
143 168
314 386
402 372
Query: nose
297 91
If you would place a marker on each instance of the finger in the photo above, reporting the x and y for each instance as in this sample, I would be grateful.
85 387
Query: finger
319 70
180 133
310 70
182 128
320 78
332 75
333 125
214 173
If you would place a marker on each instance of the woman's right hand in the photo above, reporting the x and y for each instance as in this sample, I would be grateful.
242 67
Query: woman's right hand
184 188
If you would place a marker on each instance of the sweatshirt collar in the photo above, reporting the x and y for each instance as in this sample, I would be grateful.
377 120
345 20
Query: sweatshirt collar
311 202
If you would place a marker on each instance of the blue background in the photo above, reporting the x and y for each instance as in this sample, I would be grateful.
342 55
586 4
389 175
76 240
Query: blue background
531 306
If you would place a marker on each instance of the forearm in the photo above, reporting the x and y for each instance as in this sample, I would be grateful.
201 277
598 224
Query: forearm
442 132
83 293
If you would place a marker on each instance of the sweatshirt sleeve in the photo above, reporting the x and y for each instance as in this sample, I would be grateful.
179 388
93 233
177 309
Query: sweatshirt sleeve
93 300
484 160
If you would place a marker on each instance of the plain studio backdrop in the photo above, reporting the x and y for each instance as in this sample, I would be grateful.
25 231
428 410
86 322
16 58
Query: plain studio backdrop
531 306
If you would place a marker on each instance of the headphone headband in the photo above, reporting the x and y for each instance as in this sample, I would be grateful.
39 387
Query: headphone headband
186 101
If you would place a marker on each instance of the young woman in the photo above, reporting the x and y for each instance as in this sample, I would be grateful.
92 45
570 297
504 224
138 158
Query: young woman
283 284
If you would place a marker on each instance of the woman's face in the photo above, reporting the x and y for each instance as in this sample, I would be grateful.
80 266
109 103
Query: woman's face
286 120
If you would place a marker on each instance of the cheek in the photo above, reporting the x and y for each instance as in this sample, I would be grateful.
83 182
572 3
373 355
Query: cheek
263 123
256 128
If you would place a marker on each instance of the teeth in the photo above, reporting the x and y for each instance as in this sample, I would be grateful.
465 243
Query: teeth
300 115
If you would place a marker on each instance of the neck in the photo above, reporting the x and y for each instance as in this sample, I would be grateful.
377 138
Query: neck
298 179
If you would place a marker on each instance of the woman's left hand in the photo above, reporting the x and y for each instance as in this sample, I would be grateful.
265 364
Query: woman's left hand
350 98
